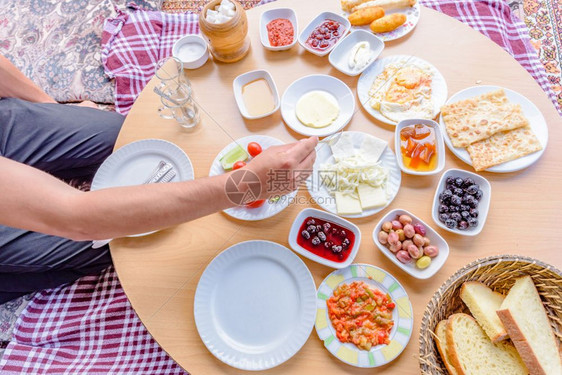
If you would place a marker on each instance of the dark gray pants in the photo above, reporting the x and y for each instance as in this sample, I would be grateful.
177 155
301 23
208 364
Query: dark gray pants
67 142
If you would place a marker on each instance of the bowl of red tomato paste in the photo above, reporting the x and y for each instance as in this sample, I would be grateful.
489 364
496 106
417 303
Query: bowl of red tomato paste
278 29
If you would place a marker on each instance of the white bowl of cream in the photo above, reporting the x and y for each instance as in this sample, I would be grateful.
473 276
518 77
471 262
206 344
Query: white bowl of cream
192 51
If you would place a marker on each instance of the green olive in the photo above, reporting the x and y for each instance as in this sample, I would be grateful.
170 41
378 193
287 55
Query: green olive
423 262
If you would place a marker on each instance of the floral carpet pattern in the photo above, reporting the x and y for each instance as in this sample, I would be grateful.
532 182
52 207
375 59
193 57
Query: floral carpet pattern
57 44
544 20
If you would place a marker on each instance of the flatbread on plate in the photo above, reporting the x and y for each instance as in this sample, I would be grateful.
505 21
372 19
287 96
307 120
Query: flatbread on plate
474 119
503 147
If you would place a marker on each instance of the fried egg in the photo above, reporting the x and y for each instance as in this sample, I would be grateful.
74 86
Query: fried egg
403 91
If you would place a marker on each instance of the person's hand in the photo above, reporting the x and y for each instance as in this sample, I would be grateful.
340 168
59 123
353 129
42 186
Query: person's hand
282 168
86 103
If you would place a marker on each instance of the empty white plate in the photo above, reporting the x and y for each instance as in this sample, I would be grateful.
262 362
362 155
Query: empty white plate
317 82
255 305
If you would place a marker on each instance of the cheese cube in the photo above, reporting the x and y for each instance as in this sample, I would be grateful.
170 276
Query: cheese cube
347 204
371 197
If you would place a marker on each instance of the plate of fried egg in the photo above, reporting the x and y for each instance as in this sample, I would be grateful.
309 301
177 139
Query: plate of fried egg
402 87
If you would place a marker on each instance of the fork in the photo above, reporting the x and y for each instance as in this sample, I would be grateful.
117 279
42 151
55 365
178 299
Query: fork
162 174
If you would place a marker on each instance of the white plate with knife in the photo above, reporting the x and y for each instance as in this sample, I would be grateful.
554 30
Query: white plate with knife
137 162
355 175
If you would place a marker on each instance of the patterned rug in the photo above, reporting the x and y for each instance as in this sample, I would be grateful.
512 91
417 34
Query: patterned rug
544 20
542 17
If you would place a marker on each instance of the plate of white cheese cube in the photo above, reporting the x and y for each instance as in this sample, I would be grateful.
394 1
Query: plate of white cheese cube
355 175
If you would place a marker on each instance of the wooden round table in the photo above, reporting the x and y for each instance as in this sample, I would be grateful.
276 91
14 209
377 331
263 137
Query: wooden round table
160 272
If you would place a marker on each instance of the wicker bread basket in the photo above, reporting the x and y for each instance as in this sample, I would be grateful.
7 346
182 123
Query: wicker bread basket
499 273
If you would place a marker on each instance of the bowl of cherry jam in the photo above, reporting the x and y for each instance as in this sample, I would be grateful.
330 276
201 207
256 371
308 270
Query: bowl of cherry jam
325 238
324 32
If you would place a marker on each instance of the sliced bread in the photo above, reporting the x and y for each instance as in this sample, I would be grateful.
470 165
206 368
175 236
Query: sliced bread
441 333
473 353
483 303
525 319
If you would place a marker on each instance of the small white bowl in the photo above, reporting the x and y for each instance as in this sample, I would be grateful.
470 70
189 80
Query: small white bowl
438 139
320 82
483 206
295 232
192 50
273 14
246 78
340 54
411 269
317 22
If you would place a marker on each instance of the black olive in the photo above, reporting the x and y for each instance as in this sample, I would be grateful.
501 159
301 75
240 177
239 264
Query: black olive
444 217
456 216
456 200
478 194
472 189
453 208
467 182
451 224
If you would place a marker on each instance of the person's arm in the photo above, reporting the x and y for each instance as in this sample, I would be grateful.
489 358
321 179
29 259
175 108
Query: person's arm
33 200
14 84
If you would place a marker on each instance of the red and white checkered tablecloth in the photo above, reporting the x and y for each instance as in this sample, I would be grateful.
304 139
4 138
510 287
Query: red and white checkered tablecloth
90 327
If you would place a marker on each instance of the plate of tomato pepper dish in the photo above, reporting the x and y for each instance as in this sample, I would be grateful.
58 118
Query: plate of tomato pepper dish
364 316
235 156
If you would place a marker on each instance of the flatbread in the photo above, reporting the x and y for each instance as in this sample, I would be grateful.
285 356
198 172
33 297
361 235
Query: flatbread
502 147
474 119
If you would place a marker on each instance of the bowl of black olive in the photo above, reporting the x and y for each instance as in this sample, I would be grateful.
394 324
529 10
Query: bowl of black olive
461 202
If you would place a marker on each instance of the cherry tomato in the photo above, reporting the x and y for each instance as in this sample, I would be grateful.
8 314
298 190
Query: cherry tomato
256 204
238 165
254 149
